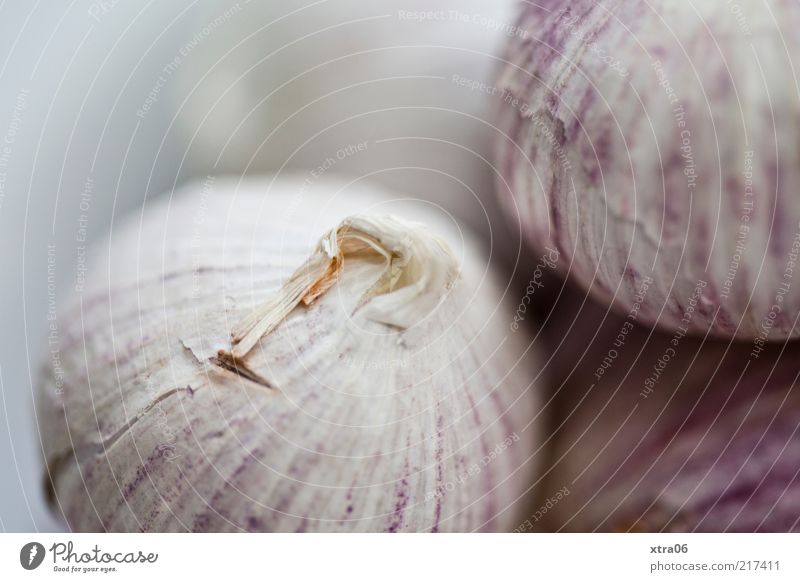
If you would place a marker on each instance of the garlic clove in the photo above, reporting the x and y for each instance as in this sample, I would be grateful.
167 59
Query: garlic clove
660 140
333 420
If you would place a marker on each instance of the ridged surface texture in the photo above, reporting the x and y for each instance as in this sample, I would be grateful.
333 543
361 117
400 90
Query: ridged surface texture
660 139
349 424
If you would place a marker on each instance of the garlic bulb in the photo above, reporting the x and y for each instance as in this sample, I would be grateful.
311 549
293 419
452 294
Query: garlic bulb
266 356
671 433
659 139
348 87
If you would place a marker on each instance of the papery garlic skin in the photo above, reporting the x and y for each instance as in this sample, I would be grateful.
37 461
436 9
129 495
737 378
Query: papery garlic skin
346 424
661 139
419 269
706 442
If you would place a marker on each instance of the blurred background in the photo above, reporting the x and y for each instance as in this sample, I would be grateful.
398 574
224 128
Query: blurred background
108 104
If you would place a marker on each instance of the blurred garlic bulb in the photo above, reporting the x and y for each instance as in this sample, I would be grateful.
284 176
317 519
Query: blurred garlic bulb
370 382
277 85
670 433
660 139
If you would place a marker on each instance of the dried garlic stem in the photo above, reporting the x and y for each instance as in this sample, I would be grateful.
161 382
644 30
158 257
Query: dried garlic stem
419 270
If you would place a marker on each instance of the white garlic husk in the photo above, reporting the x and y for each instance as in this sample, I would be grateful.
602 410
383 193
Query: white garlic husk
199 392
665 432
659 139
351 87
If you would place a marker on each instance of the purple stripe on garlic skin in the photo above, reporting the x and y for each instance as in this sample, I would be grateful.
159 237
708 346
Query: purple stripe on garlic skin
661 137
713 447
333 421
